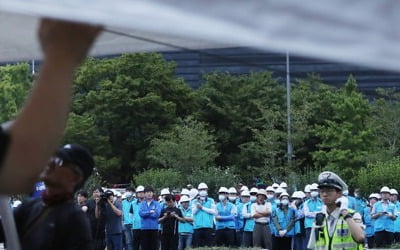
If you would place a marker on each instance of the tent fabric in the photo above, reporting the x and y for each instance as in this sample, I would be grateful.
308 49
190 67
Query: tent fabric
359 31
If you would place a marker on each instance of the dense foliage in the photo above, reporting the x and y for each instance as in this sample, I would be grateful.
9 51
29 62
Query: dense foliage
146 126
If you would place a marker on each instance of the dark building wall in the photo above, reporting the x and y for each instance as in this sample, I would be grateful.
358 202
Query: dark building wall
192 64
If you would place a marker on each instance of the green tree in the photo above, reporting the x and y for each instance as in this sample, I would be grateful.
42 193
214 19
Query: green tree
214 177
188 145
382 173
15 82
234 106
129 100
159 178
311 106
385 119
346 136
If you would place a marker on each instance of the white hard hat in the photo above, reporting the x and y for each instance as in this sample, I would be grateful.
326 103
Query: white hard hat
307 188
385 190
202 186
232 190
193 193
393 191
117 194
245 193
223 190
283 185
165 191
284 194
244 188
279 190
275 185
374 195
270 189
262 191
314 186
301 194
254 190
184 199
297 195
140 189
185 191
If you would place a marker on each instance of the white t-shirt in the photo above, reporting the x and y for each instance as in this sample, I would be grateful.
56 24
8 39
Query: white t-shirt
255 208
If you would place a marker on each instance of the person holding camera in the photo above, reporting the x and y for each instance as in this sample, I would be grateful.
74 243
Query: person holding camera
169 218
334 227
96 214
113 216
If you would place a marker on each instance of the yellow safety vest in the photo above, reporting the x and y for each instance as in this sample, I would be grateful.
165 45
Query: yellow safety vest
341 238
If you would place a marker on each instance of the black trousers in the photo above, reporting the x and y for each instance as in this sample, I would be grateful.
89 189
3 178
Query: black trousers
397 238
136 239
383 238
225 237
247 239
371 242
202 237
169 241
283 243
149 239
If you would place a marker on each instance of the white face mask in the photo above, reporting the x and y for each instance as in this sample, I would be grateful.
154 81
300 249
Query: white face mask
346 192
284 202
314 194
128 195
221 197
270 196
203 193
278 202
232 198
253 198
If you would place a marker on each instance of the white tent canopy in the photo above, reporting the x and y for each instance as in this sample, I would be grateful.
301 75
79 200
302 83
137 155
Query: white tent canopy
359 31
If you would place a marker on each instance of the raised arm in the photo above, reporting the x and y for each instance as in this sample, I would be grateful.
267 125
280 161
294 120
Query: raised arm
38 128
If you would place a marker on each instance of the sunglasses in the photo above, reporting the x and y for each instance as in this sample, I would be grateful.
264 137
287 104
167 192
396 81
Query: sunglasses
58 162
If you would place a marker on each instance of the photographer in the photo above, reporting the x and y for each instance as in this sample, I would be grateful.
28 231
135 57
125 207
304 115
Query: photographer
169 218
113 212
96 214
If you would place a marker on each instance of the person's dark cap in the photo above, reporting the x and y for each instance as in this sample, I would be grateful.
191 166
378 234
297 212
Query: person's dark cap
79 156
148 189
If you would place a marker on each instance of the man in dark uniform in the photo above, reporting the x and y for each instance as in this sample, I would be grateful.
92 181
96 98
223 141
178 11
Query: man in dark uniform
54 221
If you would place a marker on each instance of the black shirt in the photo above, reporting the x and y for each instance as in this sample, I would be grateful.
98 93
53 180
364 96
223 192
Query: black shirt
4 142
170 224
62 226
97 225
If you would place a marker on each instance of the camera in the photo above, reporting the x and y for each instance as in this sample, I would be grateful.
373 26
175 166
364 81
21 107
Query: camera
104 196
319 219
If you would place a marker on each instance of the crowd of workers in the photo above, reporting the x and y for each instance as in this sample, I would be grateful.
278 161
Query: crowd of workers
267 217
